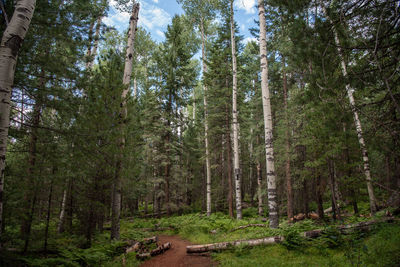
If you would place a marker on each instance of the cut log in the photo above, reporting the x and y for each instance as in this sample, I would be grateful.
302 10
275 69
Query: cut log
150 240
135 246
226 245
249 225
159 250
143 256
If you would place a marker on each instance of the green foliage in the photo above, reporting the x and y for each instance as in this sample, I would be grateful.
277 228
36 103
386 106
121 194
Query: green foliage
330 238
292 239
381 248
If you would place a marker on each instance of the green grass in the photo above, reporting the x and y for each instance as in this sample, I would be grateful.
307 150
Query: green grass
380 247
278 255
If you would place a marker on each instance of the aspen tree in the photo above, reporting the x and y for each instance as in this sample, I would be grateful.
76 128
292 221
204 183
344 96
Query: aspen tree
236 165
201 11
10 45
357 122
266 102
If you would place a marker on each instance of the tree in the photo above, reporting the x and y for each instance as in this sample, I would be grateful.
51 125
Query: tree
269 149
235 123
357 121
116 201
202 12
178 75
11 42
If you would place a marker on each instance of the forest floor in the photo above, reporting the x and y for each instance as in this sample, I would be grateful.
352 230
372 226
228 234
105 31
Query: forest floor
378 247
176 256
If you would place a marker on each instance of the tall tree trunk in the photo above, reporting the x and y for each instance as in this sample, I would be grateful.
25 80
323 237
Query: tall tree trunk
92 51
30 193
116 207
318 192
208 166
352 192
259 188
60 227
229 164
10 44
46 233
89 48
334 194
269 149
251 160
289 187
349 90
236 163
167 174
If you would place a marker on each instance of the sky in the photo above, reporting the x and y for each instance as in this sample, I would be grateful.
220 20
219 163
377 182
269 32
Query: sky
155 15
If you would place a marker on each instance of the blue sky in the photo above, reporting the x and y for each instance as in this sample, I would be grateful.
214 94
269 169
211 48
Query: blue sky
155 15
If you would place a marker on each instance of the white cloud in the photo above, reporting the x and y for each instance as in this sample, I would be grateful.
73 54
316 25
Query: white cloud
247 5
151 17
249 39
160 33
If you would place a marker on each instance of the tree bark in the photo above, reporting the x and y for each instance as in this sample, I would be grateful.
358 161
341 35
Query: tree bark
259 183
334 195
116 207
46 234
227 245
92 51
229 165
206 141
318 191
30 193
10 44
236 164
357 122
289 187
269 149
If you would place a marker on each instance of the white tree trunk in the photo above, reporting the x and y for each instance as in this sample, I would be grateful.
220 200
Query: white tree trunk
357 122
208 166
116 207
236 165
10 44
62 213
269 149
227 245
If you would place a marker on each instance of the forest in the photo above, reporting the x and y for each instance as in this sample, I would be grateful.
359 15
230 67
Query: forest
205 148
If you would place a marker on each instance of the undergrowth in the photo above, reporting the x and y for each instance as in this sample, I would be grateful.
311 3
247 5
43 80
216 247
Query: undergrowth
379 247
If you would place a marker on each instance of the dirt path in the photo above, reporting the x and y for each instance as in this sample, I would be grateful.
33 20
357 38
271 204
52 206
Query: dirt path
176 256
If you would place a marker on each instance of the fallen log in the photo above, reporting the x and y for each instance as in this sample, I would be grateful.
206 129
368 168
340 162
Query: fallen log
345 229
249 225
226 245
157 251
277 239
135 245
